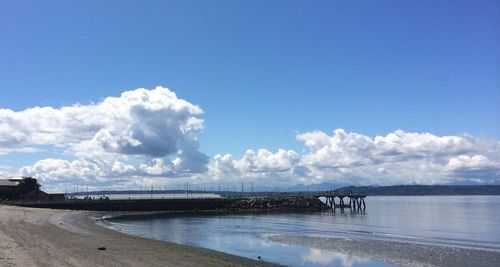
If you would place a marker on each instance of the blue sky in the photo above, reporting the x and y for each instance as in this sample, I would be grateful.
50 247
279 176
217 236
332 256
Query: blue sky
262 71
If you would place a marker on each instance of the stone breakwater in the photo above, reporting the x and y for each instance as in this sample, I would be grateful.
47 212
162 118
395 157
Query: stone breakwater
260 203
278 203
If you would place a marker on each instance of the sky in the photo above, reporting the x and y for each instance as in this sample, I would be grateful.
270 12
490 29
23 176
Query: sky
115 93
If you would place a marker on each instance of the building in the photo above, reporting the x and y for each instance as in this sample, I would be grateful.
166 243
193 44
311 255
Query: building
14 187
25 189
8 188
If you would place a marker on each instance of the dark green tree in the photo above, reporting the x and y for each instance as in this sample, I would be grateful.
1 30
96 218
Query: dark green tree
27 185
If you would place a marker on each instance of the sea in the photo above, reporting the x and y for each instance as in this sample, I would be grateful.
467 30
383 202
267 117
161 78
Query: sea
452 221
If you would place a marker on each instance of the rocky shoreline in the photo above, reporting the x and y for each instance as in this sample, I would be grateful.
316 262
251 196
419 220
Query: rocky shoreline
277 203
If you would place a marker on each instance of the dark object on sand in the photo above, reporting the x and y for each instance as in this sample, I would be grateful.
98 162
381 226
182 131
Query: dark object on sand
101 248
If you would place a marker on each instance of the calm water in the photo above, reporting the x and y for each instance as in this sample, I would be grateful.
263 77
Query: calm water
457 221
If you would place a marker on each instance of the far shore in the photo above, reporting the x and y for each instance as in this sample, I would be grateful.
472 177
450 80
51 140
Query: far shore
48 237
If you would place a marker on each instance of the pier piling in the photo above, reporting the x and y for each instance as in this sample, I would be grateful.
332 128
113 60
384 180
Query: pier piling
356 201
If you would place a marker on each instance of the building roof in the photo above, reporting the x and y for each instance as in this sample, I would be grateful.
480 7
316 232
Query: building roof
7 182
16 178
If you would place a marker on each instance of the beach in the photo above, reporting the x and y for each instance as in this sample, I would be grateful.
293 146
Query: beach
46 237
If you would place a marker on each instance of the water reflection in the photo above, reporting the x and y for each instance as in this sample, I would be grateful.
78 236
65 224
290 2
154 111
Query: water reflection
331 258
239 235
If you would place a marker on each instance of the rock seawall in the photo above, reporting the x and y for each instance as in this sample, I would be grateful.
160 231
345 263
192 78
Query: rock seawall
278 203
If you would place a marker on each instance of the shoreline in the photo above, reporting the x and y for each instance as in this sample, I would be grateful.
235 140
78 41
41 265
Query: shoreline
48 237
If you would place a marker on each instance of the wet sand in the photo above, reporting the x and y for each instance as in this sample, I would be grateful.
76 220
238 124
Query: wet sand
45 237
398 253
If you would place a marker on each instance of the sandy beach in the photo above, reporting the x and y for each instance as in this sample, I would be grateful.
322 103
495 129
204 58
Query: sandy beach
45 237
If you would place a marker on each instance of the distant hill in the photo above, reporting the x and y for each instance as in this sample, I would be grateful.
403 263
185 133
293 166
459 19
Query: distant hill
423 190
313 187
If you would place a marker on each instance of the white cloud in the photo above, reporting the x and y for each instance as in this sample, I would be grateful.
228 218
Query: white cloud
259 165
352 158
266 161
152 134
478 167
398 157
469 162
122 168
139 122
26 150
58 170
343 157
155 167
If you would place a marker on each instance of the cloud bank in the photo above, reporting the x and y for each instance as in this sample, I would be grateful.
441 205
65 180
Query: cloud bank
352 158
152 134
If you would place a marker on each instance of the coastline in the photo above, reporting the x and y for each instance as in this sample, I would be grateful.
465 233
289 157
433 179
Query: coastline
48 237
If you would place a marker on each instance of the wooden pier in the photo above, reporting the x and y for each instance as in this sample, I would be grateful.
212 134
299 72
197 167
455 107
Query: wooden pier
356 201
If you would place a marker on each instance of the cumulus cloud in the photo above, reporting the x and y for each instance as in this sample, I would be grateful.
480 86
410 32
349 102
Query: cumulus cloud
480 167
152 134
58 170
398 157
352 158
97 170
343 158
139 122
255 165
